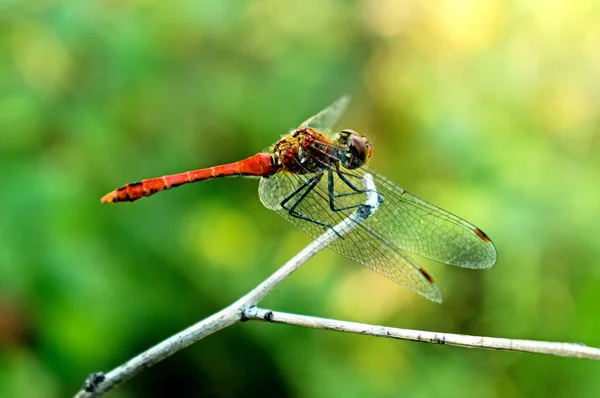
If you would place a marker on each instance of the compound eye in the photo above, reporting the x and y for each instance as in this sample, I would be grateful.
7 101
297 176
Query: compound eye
359 148
358 152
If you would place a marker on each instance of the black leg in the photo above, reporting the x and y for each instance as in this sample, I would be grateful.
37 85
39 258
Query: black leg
307 186
343 178
333 196
299 189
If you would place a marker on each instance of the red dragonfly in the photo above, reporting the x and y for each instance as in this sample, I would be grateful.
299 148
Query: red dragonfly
313 178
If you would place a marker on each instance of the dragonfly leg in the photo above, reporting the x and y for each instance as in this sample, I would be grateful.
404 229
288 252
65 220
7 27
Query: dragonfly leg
333 196
343 177
352 186
302 187
307 187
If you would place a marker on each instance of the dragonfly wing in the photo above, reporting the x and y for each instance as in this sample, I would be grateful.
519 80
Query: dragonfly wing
328 117
418 227
421 228
363 244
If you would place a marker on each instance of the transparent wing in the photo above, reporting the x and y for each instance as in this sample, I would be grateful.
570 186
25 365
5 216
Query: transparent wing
328 117
365 244
403 223
426 230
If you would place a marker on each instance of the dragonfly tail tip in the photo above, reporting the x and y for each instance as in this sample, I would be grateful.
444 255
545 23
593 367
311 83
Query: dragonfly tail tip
108 198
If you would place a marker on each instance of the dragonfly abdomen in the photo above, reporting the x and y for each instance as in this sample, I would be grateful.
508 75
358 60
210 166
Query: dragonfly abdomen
261 164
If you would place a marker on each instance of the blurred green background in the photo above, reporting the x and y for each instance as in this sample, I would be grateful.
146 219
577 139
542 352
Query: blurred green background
487 109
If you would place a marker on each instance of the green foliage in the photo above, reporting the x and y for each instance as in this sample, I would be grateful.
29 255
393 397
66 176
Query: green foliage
487 110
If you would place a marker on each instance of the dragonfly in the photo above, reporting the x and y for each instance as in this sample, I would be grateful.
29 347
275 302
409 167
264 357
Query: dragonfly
314 177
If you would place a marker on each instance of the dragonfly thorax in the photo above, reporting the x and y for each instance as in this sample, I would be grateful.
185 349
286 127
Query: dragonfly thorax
306 151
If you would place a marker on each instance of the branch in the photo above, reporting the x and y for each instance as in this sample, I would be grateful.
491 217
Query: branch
245 309
99 383
493 343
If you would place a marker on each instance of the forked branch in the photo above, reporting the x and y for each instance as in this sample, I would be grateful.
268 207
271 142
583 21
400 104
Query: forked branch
493 343
245 309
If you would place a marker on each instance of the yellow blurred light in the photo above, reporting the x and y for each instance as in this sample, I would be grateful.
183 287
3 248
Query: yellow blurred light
370 297
221 235
389 17
40 56
565 107
463 25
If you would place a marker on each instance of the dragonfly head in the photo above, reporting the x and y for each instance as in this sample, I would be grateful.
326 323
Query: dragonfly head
358 151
